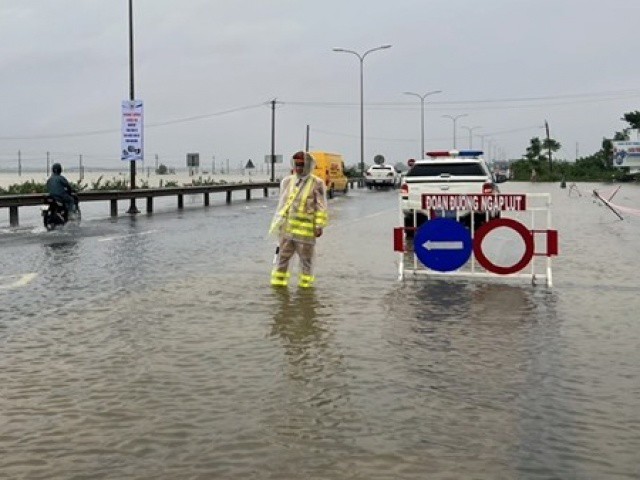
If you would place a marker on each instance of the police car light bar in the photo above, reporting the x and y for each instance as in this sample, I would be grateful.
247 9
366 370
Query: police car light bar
438 153
454 153
470 153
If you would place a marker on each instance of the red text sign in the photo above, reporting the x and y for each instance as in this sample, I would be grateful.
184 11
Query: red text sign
474 202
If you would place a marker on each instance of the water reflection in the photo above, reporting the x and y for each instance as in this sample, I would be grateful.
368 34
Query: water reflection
61 259
295 321
312 391
476 350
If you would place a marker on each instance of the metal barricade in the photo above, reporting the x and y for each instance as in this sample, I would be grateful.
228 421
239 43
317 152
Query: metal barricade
478 235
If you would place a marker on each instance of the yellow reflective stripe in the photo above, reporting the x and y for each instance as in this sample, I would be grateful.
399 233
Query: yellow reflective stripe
302 233
298 223
279 274
305 280
301 227
303 216
279 279
290 199
321 219
305 227
305 194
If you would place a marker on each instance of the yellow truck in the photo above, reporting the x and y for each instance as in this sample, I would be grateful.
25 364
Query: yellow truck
330 168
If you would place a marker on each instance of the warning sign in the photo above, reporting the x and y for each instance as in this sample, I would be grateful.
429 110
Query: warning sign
475 202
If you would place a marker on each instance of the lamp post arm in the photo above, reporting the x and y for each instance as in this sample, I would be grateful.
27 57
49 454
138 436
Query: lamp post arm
361 59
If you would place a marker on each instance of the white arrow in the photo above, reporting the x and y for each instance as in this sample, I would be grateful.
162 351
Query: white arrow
433 245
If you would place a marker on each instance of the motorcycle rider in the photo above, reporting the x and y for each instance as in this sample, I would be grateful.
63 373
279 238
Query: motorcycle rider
60 189
299 219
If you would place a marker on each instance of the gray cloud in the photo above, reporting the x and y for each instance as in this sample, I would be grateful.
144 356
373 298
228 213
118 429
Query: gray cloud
65 70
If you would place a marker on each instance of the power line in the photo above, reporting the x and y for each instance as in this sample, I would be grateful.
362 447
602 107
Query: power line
594 95
434 139
148 125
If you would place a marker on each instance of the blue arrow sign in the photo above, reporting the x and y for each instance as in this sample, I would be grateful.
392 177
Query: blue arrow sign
443 244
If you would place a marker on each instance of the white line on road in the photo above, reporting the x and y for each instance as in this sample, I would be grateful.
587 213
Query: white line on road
108 239
21 281
355 220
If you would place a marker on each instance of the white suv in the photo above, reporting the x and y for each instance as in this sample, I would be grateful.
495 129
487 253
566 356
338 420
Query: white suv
448 172
381 176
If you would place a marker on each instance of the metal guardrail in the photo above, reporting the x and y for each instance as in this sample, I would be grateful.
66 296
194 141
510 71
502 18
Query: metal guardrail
13 202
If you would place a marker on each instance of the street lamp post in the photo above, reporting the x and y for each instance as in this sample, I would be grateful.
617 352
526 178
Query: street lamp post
455 119
490 142
422 97
361 58
132 170
470 130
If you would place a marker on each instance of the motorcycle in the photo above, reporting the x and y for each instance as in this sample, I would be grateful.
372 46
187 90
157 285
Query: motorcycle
55 213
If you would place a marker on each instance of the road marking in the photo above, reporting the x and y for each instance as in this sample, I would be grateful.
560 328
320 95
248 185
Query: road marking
108 239
349 222
435 245
21 281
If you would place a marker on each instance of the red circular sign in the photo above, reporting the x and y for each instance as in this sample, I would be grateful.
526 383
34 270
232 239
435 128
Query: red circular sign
521 229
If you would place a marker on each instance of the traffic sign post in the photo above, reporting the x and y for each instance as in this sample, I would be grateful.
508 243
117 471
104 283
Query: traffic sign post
444 246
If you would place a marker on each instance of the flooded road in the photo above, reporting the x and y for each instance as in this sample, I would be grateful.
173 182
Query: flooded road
154 348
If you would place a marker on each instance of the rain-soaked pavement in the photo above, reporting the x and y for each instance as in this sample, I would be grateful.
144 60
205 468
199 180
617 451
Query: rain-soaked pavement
153 347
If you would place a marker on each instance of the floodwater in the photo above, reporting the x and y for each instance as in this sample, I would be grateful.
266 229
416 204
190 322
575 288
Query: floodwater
153 348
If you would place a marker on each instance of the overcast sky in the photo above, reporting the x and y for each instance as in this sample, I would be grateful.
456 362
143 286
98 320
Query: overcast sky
207 70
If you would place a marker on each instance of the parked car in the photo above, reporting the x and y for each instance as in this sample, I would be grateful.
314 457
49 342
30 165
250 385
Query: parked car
382 176
447 172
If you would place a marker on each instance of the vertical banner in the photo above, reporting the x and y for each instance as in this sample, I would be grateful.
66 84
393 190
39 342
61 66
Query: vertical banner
132 130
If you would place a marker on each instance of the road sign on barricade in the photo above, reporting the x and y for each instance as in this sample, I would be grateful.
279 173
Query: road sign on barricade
479 235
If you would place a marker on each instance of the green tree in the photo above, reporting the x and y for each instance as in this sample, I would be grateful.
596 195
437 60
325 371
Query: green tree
533 150
551 144
633 119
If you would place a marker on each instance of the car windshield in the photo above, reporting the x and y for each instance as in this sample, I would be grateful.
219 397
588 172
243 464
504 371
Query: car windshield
461 169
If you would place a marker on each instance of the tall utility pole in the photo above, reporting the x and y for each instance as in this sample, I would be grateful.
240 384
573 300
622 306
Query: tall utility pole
546 126
422 97
48 168
132 169
361 58
273 139
19 163
306 143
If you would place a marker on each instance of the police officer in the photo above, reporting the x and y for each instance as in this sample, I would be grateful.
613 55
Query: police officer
299 219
